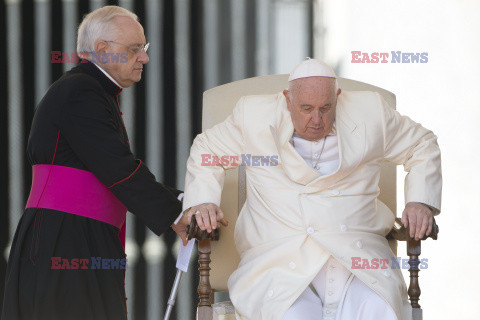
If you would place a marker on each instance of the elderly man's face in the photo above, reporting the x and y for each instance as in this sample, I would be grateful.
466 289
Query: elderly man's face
129 36
312 102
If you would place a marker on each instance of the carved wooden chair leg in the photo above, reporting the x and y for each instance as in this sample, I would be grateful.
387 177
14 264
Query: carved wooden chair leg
205 293
413 252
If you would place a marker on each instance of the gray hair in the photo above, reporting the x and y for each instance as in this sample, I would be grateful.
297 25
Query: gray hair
97 25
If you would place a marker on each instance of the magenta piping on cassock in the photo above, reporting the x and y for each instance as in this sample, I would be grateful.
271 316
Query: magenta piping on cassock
77 192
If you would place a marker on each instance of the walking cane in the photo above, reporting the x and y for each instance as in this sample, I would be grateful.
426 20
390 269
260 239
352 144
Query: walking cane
184 253
173 294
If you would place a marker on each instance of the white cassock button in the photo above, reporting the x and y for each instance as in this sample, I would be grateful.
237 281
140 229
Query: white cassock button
310 230
335 192
330 280
360 244
292 265
316 155
328 311
343 228
387 274
270 293
330 293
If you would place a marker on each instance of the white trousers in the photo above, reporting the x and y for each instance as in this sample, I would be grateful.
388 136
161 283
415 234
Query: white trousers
336 294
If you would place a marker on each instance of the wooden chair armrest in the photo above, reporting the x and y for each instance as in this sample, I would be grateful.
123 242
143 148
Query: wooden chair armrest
194 232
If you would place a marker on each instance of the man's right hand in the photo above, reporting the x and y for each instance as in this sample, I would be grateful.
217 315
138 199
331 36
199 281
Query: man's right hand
208 215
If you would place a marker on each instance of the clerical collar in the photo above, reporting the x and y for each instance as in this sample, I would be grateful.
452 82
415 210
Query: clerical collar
105 80
109 76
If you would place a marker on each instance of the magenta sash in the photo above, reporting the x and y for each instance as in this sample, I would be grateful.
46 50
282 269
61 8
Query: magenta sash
77 192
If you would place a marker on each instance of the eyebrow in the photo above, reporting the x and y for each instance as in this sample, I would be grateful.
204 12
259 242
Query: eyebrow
309 105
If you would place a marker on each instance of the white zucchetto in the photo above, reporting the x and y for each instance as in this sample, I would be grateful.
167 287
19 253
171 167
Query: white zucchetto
311 68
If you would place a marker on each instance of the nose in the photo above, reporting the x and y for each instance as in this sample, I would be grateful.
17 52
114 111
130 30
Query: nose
316 117
143 57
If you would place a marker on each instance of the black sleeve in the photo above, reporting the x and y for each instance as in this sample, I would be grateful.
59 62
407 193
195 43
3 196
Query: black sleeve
88 124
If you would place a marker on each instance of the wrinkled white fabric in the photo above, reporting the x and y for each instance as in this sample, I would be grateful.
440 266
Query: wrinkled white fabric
336 294
294 218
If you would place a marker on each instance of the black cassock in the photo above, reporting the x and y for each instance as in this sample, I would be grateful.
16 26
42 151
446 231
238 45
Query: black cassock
81 112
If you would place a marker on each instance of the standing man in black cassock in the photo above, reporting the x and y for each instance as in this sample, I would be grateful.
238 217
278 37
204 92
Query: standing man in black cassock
85 178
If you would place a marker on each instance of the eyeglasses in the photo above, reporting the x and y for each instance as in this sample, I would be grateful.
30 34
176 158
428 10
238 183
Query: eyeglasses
135 49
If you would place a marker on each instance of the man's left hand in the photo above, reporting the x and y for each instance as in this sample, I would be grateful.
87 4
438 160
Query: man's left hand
181 229
420 219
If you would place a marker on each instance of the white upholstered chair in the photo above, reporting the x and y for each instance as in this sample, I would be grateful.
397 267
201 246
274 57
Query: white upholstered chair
218 104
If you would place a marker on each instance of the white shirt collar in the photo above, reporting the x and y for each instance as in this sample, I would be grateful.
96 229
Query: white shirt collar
109 76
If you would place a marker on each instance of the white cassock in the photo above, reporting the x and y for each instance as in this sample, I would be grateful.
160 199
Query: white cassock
296 218
335 293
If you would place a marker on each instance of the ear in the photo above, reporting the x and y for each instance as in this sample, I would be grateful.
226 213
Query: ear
101 46
339 91
286 93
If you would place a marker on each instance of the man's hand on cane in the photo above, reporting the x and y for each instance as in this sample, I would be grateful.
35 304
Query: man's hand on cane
207 215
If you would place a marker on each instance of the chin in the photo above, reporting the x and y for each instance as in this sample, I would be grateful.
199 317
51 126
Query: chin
309 137
136 79
315 136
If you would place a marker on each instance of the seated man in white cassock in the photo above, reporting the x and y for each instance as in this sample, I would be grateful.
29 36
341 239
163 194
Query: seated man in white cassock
309 214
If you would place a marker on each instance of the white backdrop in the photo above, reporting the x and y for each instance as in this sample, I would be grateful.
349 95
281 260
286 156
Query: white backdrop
443 95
